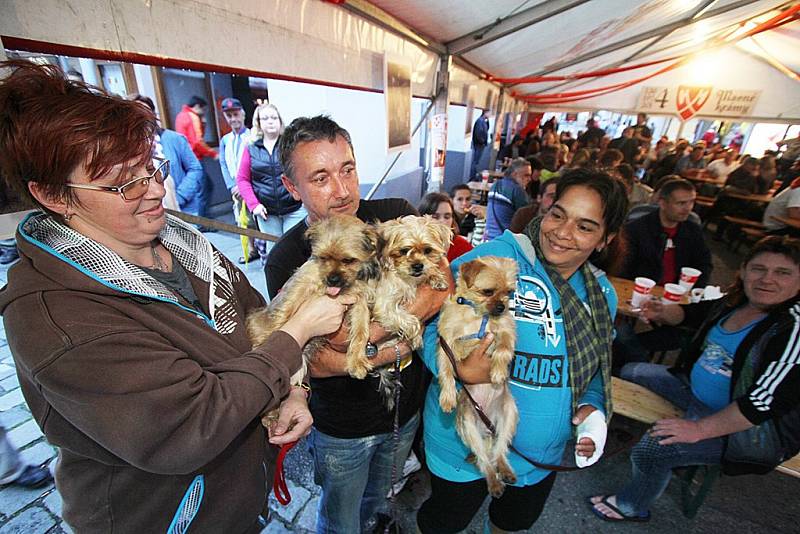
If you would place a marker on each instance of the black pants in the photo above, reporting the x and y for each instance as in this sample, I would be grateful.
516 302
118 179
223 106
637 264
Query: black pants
452 505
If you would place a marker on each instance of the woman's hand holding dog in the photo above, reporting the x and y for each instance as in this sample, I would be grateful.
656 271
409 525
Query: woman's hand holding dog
294 419
476 368
317 317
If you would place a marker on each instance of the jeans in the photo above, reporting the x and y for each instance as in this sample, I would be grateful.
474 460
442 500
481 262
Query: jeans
277 225
477 152
652 463
355 475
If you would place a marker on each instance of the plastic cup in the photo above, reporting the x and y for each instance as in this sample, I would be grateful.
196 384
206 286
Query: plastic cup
485 176
641 291
696 295
673 293
689 277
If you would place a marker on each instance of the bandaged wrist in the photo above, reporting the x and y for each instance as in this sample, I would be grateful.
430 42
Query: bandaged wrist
595 428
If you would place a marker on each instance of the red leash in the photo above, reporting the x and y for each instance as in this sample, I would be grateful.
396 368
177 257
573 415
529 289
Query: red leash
279 486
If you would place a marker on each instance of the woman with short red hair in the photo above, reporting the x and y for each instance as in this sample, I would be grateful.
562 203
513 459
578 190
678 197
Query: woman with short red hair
127 326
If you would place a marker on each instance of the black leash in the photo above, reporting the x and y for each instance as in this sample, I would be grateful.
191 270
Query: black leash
393 524
627 441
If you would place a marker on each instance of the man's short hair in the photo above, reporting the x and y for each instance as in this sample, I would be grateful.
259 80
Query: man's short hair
611 157
517 164
674 184
197 101
305 130
146 100
459 187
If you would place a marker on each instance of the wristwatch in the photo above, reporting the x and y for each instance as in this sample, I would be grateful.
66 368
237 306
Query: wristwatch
371 350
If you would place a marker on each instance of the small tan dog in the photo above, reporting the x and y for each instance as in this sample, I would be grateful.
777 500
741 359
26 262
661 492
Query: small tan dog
344 255
411 255
480 305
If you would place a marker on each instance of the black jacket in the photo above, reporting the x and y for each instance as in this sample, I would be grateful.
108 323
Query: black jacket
773 390
644 249
265 174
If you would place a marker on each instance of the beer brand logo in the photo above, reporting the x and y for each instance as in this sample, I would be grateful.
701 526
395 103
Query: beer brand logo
690 100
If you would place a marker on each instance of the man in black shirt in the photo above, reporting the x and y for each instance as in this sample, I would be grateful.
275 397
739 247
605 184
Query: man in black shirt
352 436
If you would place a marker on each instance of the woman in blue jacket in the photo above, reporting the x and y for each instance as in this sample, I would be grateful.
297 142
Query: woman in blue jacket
564 310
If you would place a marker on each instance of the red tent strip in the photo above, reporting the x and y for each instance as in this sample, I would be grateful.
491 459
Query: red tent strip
556 98
579 76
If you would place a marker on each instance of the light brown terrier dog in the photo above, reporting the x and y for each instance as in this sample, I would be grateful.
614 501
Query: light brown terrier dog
344 255
411 255
480 305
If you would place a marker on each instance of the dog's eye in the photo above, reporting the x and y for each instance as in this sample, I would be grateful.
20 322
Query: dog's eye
348 261
428 250
404 251
488 292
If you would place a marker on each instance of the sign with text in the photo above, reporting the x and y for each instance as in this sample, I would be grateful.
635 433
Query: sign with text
688 101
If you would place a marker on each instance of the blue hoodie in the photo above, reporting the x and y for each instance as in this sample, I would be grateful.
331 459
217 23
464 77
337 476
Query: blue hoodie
539 379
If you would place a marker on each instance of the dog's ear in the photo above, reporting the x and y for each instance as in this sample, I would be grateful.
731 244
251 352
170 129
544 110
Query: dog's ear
312 233
370 240
443 233
469 270
369 270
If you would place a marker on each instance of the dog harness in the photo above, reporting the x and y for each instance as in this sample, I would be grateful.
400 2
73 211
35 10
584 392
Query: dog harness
481 333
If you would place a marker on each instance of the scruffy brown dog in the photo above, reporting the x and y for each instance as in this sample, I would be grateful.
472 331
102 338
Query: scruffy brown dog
411 255
344 255
480 305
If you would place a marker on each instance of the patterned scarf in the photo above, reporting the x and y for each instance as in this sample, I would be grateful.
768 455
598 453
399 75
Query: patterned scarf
588 332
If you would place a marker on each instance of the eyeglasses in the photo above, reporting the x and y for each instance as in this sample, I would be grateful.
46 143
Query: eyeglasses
134 189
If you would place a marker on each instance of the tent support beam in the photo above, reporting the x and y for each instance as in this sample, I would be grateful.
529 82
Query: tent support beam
657 32
503 27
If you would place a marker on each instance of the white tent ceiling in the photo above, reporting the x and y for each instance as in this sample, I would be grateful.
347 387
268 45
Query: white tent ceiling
518 38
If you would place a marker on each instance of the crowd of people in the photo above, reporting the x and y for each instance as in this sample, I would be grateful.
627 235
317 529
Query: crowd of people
140 370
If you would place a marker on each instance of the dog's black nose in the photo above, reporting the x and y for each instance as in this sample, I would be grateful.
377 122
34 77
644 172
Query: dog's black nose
498 308
417 267
334 280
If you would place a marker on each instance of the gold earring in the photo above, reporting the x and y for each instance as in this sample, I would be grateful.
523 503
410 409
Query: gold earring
67 217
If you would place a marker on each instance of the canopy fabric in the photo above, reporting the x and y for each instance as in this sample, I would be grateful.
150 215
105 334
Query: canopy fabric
328 41
515 39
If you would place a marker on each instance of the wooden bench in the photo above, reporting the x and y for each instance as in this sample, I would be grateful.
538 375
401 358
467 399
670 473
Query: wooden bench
747 223
641 404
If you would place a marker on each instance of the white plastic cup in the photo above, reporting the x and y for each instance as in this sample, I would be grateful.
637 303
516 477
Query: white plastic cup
673 293
696 295
485 176
641 291
689 277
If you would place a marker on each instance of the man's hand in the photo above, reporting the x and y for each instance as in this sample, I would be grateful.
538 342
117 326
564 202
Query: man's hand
677 431
294 419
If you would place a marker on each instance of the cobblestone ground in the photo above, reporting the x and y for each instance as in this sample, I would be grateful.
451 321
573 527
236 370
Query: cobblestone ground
748 504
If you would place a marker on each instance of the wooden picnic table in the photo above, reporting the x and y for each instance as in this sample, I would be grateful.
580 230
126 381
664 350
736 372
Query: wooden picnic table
706 179
624 289
762 199
788 221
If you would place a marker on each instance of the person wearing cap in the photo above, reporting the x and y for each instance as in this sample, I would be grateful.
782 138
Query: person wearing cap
231 147
691 164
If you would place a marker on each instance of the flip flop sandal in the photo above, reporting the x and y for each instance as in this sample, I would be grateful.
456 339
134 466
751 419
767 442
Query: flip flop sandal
622 517
34 476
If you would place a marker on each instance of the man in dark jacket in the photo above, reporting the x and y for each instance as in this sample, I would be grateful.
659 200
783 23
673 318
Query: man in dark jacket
659 244
480 138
